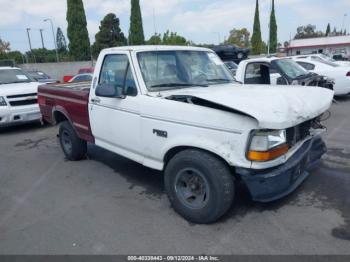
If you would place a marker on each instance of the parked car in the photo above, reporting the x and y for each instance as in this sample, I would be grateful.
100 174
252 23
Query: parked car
86 70
232 66
18 97
41 77
322 58
178 110
340 74
231 52
81 78
278 71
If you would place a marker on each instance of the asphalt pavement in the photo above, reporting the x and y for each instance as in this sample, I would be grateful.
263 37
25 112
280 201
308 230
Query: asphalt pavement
107 204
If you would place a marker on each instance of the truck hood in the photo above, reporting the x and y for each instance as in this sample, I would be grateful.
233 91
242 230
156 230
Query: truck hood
18 88
274 107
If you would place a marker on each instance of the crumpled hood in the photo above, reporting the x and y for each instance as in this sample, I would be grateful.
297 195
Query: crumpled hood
274 107
19 88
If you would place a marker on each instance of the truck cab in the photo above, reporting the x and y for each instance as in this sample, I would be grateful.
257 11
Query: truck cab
179 110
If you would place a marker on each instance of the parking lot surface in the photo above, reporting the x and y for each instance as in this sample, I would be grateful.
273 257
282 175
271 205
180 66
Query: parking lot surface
107 204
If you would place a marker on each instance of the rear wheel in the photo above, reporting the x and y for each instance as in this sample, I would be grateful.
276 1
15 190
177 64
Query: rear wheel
200 186
73 147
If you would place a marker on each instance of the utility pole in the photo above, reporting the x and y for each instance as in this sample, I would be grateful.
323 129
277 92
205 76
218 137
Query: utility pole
53 35
343 24
42 39
30 43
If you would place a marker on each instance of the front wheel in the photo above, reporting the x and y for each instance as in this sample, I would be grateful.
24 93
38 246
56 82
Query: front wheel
73 147
200 186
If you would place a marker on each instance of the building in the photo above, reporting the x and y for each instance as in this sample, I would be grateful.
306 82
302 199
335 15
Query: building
332 45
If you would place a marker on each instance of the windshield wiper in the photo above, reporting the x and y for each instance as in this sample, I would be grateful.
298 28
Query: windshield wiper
179 85
219 80
302 76
14 82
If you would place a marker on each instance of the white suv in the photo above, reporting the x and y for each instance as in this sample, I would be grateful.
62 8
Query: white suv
18 97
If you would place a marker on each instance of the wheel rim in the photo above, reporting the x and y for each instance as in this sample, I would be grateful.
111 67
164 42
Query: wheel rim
66 142
192 188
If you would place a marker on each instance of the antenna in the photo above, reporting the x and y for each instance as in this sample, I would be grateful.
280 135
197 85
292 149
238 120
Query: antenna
154 22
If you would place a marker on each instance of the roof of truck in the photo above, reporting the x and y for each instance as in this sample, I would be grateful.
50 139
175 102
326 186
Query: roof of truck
155 48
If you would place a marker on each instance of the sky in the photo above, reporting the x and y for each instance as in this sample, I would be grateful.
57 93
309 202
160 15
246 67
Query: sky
202 21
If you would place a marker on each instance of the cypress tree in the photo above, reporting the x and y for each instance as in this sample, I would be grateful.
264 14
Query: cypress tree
79 43
61 41
136 35
273 30
256 37
328 30
110 34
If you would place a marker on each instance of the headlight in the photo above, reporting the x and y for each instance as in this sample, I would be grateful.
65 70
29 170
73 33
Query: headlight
2 101
267 145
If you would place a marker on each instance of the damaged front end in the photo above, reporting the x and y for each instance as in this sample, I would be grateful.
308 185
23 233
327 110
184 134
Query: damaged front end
313 79
308 147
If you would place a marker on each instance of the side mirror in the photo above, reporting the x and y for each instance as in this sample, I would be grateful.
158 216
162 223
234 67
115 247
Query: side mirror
282 81
109 90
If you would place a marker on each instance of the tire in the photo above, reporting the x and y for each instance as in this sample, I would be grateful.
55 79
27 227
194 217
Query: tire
240 56
72 146
207 178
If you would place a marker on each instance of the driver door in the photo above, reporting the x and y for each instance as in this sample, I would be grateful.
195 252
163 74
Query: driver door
115 122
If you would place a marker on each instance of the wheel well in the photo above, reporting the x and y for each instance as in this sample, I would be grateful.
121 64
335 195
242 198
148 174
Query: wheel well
59 117
172 152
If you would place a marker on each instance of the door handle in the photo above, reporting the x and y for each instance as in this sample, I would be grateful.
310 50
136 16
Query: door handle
95 100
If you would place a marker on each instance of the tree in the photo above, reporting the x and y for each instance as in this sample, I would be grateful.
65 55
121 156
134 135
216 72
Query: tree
286 44
308 31
256 37
79 43
136 35
239 37
110 34
172 38
4 46
154 40
273 30
61 41
328 30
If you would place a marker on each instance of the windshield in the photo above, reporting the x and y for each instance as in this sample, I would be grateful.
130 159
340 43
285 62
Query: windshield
325 60
291 68
38 75
231 65
11 76
164 70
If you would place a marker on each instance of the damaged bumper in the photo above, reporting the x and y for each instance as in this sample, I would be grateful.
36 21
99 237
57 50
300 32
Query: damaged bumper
275 183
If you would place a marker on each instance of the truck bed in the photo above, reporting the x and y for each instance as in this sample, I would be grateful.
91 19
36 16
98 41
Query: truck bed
69 101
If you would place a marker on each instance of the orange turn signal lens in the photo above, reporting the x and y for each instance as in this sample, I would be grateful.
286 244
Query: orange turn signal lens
268 155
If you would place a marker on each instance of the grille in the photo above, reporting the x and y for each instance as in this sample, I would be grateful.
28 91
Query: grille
25 95
298 133
24 102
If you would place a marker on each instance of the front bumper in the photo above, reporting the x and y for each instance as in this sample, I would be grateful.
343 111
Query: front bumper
20 114
275 183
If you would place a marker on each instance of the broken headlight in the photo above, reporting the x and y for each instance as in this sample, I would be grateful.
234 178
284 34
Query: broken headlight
267 145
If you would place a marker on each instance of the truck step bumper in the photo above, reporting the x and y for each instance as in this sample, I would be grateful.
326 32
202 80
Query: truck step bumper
273 184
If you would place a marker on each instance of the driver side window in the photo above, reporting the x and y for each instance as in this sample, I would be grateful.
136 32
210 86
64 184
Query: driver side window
116 71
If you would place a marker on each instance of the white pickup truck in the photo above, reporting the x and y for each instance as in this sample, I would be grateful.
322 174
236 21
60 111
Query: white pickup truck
18 97
179 110
279 71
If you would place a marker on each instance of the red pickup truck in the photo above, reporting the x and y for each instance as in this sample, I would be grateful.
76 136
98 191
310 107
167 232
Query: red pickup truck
179 110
